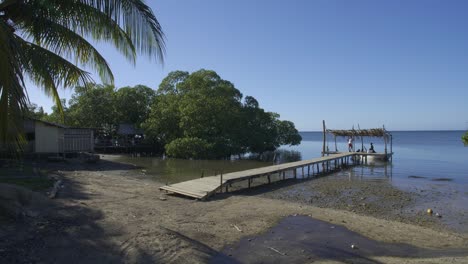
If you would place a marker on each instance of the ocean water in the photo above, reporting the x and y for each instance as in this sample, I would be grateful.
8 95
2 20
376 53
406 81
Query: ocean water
419 157
437 156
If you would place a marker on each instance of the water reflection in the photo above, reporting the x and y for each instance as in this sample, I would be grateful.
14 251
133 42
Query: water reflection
376 171
171 171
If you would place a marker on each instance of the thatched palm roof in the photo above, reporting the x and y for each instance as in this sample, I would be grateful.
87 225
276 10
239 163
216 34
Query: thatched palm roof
373 132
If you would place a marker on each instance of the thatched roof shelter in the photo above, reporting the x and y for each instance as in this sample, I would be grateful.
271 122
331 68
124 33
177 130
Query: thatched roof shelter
373 132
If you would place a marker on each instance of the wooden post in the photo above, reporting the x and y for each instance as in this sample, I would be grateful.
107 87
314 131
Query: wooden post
391 148
284 175
249 180
308 171
303 172
221 186
336 147
324 138
269 179
385 140
295 173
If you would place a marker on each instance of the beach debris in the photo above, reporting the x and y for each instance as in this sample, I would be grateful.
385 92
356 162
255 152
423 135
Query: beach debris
236 227
429 211
55 189
438 215
162 198
144 171
277 251
354 246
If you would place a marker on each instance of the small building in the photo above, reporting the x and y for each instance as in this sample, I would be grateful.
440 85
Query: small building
51 138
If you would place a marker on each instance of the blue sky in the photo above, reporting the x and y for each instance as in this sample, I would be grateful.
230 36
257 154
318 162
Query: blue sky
399 63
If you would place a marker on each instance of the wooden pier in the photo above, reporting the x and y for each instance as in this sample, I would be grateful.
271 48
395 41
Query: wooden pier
202 188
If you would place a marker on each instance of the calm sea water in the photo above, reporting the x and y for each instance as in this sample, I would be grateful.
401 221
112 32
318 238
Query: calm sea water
420 156
434 155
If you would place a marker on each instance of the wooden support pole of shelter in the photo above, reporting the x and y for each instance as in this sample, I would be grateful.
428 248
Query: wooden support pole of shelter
324 138
336 147
295 173
391 147
303 172
221 182
385 140
284 175
308 170
269 178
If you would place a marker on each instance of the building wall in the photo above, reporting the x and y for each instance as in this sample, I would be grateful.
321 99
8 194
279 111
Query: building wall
49 139
79 140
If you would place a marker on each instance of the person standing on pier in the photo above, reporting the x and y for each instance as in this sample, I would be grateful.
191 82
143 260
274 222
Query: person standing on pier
350 144
371 149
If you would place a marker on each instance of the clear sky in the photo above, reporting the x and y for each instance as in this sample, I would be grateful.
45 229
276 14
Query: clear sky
399 63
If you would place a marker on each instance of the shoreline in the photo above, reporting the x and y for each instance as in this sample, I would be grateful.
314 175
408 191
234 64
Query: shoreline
129 220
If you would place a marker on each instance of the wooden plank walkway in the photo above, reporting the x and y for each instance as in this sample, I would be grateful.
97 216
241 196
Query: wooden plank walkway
204 187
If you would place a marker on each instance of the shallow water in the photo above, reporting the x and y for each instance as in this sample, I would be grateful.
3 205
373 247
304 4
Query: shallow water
171 171
302 239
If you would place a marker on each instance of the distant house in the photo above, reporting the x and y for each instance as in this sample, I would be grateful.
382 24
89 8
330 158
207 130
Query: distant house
129 135
51 138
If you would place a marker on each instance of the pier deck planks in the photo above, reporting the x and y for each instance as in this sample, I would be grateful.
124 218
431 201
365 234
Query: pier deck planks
203 187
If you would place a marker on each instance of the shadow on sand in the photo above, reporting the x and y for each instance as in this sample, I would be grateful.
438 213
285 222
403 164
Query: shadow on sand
68 230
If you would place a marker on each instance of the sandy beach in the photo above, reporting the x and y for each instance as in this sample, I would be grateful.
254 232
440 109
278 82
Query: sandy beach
113 213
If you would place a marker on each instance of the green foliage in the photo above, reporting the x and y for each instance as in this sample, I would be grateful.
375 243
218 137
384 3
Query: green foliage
46 41
93 106
104 107
36 112
203 106
188 148
132 104
465 139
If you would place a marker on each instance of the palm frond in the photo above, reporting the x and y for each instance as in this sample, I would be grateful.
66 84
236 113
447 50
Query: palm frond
139 23
49 70
13 100
67 43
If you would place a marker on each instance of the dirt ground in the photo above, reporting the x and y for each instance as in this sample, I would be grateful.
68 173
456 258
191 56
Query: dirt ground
113 213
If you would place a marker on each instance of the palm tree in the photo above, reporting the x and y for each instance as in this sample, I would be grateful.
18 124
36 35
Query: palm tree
465 138
46 41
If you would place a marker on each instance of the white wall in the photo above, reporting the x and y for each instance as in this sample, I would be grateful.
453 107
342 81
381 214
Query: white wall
49 139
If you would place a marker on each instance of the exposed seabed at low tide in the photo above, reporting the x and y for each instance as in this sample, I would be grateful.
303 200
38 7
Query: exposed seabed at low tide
301 239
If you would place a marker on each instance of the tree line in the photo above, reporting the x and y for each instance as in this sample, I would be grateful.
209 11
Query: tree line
197 115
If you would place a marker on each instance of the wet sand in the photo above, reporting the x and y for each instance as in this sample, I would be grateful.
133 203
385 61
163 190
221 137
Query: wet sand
111 212
302 239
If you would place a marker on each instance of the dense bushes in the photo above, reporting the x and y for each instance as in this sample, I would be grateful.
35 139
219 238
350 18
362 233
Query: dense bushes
188 148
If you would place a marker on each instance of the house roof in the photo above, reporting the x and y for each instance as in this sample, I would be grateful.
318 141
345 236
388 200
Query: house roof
56 124
49 123
128 129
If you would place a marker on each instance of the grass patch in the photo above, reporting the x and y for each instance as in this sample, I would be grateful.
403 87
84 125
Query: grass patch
34 184
24 175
